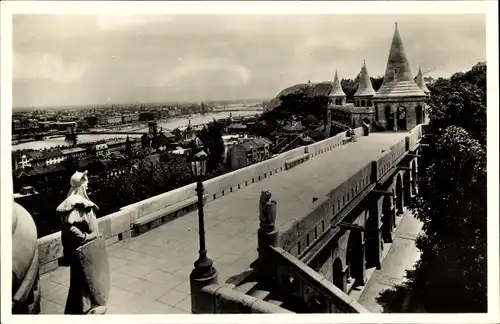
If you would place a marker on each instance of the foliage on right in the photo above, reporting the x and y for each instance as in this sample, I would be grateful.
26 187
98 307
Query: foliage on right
452 272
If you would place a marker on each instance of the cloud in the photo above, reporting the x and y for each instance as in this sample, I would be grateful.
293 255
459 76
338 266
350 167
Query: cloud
119 21
47 66
189 71
192 57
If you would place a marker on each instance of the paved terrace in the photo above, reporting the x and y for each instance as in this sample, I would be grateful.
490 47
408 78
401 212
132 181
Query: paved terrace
150 272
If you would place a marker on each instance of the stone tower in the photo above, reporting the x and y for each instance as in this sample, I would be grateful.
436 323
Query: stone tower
364 94
400 102
338 96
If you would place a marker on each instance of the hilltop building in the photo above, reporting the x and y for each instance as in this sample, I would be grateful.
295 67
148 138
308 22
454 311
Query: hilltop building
399 104
481 66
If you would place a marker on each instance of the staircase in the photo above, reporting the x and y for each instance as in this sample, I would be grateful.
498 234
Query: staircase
289 145
254 289
286 144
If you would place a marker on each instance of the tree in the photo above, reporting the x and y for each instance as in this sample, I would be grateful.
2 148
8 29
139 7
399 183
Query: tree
451 274
128 147
211 137
460 101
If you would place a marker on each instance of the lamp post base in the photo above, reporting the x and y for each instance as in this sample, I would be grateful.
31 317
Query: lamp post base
200 278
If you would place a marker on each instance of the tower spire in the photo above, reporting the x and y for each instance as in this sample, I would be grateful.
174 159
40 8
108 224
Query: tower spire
337 87
421 82
398 79
365 87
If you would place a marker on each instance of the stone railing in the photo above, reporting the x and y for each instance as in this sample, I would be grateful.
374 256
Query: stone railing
225 300
159 209
414 137
295 279
297 236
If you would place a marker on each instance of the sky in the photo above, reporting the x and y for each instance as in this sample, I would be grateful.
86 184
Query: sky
63 60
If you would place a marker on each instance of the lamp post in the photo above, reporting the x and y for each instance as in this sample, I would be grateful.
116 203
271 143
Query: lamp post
204 272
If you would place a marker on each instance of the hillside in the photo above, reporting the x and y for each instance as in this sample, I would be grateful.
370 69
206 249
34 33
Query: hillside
321 89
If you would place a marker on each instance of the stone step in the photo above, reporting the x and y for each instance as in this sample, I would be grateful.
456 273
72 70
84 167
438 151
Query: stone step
261 294
246 287
275 302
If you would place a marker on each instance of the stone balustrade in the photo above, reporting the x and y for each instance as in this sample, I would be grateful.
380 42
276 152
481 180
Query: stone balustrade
414 136
297 280
224 300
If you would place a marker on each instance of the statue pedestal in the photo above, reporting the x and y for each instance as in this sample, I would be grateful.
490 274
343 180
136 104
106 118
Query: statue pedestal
266 239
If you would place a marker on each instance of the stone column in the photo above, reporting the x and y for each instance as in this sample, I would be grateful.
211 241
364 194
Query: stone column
267 236
360 277
374 236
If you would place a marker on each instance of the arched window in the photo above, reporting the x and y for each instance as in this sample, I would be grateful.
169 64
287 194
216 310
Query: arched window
362 103
369 103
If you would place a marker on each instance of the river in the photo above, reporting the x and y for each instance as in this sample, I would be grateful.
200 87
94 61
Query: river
170 125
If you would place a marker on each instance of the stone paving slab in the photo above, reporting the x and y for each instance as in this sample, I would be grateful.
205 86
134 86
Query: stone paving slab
150 273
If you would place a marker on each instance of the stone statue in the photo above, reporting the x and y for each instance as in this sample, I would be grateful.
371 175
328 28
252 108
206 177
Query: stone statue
25 263
84 251
267 210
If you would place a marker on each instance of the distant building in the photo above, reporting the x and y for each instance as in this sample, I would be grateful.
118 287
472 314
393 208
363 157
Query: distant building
76 153
101 150
155 139
481 66
294 127
249 151
114 120
53 157
91 121
236 128
130 118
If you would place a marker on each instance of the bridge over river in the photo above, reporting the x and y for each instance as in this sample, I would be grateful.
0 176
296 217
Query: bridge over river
331 197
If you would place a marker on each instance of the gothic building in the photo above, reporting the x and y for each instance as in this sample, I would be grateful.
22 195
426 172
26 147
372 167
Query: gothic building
399 104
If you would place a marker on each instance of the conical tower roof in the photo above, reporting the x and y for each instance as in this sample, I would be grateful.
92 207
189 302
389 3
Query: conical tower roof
337 87
398 79
365 87
421 83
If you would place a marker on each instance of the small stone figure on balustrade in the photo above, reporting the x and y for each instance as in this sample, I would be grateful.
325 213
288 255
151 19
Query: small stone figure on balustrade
84 251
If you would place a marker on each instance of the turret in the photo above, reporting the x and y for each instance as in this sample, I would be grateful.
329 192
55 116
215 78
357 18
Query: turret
364 94
421 82
337 94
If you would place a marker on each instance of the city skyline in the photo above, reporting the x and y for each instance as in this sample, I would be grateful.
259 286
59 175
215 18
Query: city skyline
93 59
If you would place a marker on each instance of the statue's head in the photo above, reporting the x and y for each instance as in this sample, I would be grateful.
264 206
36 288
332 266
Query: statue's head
77 193
79 179
79 182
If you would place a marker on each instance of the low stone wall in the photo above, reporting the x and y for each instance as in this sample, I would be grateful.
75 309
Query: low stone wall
327 144
158 202
118 226
238 179
414 137
225 300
